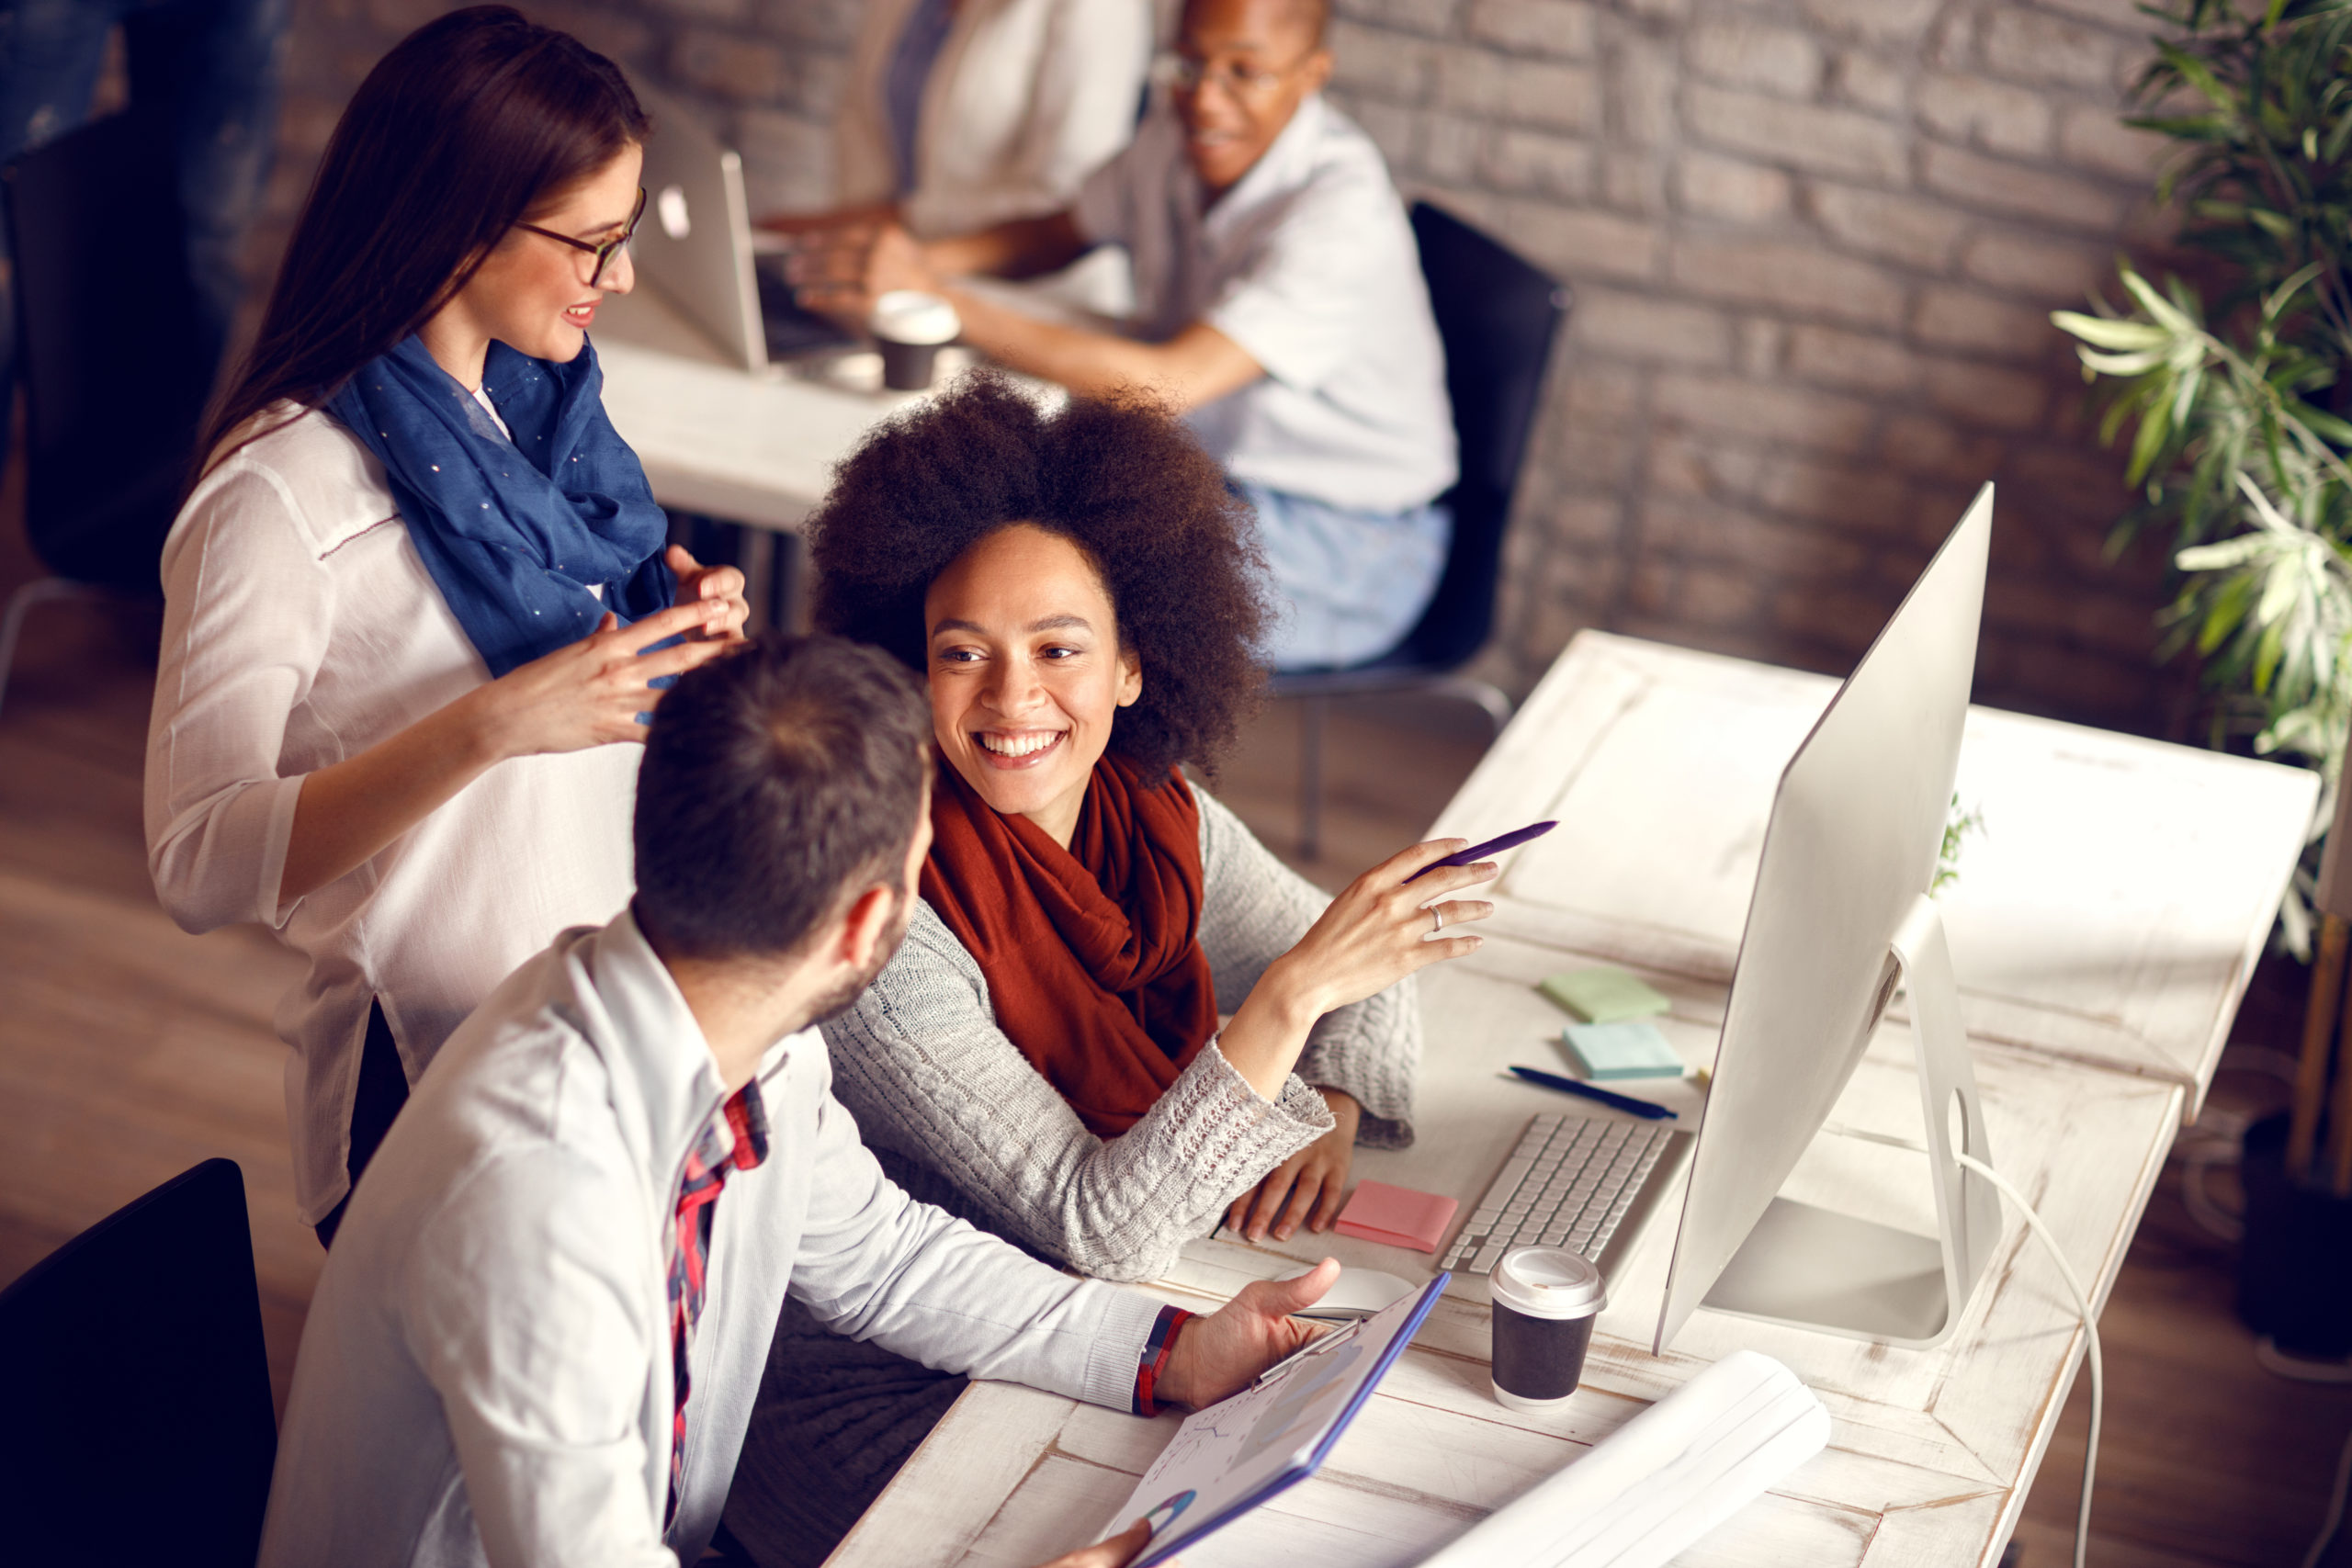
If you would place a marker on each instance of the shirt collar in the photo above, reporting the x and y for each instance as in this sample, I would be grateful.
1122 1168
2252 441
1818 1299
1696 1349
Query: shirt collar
632 1011
738 1136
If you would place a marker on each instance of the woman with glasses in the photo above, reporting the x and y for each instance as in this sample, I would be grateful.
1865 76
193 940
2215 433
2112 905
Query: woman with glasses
418 601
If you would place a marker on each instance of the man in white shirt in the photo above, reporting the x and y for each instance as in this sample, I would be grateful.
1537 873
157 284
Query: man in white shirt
540 1333
1280 305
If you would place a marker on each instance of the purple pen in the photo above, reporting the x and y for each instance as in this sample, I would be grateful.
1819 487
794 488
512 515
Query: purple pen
1475 852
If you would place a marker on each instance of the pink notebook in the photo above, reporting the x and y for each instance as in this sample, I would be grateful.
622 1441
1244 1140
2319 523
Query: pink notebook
1397 1215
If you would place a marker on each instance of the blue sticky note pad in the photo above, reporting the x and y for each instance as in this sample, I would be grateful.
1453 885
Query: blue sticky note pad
1633 1049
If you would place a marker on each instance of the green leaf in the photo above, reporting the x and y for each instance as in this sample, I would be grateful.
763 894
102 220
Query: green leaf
2265 656
2108 334
2274 304
2217 558
2322 424
2199 75
2121 363
2156 425
2160 309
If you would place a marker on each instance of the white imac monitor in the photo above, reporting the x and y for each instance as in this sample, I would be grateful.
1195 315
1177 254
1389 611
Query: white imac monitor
1841 916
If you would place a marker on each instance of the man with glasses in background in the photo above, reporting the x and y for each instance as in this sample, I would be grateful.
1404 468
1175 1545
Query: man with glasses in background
1279 305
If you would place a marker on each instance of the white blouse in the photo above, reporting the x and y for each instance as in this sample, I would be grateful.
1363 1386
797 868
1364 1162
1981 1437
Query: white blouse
301 628
1026 98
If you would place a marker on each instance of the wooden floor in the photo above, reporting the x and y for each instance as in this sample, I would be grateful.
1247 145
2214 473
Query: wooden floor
130 1050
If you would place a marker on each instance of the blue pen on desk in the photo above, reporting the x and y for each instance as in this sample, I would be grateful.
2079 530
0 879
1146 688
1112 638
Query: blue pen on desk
1617 1101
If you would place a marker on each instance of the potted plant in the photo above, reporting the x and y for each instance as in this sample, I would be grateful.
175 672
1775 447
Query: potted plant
2236 404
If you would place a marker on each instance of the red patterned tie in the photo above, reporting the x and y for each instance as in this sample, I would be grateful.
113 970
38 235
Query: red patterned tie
738 1141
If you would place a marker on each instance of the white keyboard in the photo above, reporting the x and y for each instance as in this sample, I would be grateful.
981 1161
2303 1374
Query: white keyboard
1583 1182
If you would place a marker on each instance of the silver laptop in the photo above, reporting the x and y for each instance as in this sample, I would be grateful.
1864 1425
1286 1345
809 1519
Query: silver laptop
696 247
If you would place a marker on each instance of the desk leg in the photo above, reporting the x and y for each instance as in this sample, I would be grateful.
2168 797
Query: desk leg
789 608
1311 711
755 552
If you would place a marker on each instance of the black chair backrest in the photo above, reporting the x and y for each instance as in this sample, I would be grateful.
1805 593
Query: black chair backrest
135 1419
1497 316
116 363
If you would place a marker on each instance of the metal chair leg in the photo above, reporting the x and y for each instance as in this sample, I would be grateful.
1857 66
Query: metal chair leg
40 591
1310 776
1478 693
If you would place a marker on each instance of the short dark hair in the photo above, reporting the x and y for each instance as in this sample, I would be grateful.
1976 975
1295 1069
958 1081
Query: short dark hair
777 783
1315 16
1120 478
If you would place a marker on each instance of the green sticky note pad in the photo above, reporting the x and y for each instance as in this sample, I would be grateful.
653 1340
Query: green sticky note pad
1633 1049
1605 996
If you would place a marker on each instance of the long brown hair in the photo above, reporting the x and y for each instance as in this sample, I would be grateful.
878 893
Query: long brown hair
466 126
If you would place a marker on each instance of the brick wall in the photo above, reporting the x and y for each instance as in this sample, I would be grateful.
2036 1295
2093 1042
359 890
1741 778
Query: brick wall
1814 244
762 74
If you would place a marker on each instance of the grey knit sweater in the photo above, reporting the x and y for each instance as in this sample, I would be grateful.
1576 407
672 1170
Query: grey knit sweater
922 1065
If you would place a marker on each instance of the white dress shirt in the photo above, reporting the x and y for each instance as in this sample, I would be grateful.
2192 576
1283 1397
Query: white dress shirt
1308 264
1025 99
300 627
485 1373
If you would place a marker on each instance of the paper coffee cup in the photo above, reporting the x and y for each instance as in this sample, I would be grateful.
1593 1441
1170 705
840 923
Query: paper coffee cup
1545 1299
911 327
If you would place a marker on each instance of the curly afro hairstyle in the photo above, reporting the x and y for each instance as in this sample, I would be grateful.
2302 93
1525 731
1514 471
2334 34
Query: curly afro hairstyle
1121 479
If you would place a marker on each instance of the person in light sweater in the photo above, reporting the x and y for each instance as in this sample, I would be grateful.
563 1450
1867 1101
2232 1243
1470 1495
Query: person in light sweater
537 1338
416 604
1044 1055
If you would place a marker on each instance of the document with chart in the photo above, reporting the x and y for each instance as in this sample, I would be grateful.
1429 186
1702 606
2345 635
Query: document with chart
1225 1460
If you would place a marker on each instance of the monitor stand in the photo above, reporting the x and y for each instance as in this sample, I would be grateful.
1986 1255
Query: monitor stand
1814 1268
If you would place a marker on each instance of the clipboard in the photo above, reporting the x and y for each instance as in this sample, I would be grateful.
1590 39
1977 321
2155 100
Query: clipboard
1237 1453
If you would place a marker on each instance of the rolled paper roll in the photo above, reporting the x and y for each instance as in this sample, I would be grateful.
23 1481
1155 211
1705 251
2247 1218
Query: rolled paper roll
1662 1481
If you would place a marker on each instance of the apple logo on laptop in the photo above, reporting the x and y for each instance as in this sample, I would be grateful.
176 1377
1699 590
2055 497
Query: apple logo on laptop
670 208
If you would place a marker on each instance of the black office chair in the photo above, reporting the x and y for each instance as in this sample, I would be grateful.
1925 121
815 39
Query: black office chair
1497 316
115 362
135 1418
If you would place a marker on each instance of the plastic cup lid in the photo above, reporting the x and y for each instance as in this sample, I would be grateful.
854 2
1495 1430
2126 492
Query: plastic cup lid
1548 1281
910 315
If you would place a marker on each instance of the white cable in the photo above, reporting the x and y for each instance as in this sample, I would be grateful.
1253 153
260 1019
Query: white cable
2091 1329
2335 1505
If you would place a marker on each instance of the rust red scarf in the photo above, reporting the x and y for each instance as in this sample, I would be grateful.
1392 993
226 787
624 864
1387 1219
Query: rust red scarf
1093 954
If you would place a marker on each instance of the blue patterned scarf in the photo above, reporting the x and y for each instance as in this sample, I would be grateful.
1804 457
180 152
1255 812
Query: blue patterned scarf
515 532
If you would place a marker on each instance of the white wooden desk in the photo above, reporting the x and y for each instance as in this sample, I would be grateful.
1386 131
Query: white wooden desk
758 450
714 438
2103 926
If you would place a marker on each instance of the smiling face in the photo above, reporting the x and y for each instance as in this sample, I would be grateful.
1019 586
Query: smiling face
1248 65
1026 674
533 294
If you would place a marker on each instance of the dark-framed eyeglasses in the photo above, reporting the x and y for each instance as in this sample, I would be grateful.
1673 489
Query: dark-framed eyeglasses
1184 73
605 252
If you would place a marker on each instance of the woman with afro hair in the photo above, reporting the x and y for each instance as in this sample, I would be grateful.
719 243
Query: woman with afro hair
1044 1055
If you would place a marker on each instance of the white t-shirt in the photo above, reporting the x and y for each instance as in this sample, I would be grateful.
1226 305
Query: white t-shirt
300 627
482 396
1308 264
